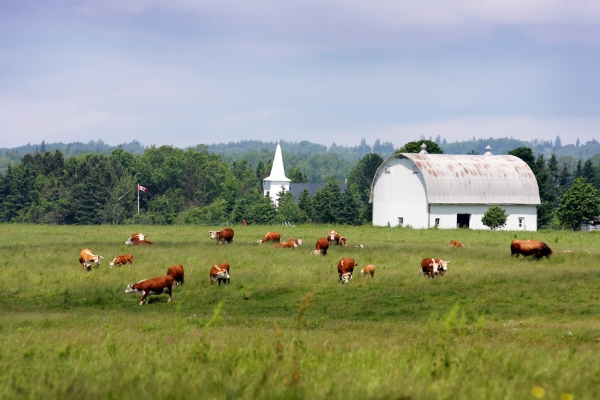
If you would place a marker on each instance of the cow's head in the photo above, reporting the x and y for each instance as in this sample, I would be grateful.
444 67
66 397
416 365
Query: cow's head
129 241
131 289
214 234
331 235
346 277
300 241
223 274
112 263
362 271
97 259
443 267
316 252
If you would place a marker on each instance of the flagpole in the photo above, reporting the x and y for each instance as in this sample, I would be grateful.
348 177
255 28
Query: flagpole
138 190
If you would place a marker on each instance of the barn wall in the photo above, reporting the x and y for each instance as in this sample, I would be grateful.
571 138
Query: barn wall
447 215
399 193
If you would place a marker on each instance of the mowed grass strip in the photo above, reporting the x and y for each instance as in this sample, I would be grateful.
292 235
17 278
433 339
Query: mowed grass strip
492 327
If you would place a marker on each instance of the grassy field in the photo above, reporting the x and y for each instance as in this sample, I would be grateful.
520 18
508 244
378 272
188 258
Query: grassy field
494 327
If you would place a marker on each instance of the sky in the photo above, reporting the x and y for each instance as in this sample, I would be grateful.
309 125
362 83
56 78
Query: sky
184 72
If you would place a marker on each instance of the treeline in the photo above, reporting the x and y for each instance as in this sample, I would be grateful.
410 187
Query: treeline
190 186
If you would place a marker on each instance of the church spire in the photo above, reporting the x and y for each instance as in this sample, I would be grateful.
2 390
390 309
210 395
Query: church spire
277 171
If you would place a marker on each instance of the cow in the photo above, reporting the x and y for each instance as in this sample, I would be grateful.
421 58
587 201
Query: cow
533 248
222 236
434 266
138 238
162 284
219 273
454 243
343 241
297 241
369 269
87 258
122 260
290 244
321 247
176 271
334 237
274 237
345 269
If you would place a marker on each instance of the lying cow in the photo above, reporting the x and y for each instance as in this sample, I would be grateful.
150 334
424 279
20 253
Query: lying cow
274 237
345 269
368 270
222 236
321 247
122 260
434 266
219 273
454 243
87 258
176 271
297 241
145 288
533 248
137 239
290 244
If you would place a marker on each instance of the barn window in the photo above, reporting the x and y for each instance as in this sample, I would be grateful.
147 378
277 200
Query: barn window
415 169
400 221
437 221
387 171
521 222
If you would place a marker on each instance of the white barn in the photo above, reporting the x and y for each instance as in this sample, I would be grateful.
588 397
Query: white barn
449 191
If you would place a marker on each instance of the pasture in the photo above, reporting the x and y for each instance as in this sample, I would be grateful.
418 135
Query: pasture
494 327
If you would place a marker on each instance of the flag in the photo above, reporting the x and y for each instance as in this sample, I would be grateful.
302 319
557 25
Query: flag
143 189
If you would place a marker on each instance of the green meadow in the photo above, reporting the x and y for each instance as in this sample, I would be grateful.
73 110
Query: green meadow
494 327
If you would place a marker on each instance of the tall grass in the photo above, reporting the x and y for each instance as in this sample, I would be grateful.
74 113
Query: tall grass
492 327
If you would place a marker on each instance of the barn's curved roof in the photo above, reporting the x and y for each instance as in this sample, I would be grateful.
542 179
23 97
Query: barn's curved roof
469 179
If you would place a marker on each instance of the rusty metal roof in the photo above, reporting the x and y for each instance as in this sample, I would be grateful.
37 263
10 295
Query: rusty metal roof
469 179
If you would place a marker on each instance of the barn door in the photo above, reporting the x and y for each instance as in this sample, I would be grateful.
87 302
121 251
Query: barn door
462 220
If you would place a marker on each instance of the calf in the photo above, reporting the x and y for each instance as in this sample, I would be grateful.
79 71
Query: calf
219 273
87 258
334 237
176 271
121 260
137 239
454 243
434 266
297 241
145 288
290 244
369 269
343 241
345 269
321 247
222 236
274 237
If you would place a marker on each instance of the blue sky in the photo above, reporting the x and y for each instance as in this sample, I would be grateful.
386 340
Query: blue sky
187 72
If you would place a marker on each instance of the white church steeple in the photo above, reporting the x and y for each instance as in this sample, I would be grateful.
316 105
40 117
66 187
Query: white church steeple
277 181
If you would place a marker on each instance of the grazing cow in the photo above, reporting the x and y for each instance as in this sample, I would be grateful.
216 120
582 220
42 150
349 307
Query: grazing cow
219 273
138 238
533 248
369 269
121 260
176 271
290 244
345 269
434 266
454 243
334 237
162 284
222 236
343 241
321 247
274 237
87 258
297 241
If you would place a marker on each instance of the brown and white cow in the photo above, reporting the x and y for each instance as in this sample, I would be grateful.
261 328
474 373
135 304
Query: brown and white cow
345 269
219 273
454 243
333 237
434 266
274 237
297 241
223 236
138 238
176 271
87 258
533 248
290 244
321 247
145 288
343 241
368 270
122 260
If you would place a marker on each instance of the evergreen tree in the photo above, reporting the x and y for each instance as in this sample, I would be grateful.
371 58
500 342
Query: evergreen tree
553 167
326 204
578 205
564 180
557 143
263 212
351 206
415 147
525 154
296 176
305 203
578 170
362 175
589 173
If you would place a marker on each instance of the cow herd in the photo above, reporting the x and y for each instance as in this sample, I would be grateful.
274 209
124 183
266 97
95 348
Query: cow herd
219 273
